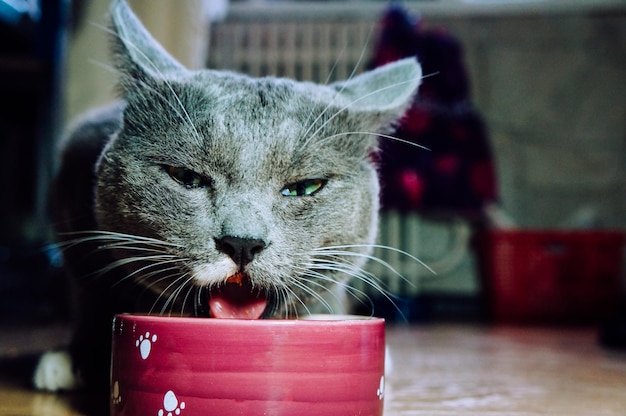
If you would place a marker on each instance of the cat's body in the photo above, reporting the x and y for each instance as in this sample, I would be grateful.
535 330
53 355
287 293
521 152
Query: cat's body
210 193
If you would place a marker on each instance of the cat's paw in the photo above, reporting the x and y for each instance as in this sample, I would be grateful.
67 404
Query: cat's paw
54 372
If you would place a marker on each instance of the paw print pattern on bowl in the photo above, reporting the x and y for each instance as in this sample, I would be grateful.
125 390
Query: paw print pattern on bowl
171 406
381 388
116 397
144 343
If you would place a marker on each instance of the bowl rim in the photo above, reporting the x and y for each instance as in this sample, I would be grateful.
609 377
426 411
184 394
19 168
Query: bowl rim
308 320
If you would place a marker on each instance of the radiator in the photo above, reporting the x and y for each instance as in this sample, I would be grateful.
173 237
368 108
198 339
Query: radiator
303 50
325 51
411 251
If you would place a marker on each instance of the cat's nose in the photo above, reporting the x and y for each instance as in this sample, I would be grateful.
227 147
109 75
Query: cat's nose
241 250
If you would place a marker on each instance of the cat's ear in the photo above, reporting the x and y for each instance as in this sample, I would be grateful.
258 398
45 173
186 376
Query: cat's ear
137 55
384 93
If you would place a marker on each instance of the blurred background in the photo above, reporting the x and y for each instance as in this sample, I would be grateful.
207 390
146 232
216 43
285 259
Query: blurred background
528 229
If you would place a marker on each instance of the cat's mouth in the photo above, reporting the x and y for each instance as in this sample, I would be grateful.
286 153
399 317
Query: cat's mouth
237 299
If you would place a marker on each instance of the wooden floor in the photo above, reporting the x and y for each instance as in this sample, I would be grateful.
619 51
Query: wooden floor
445 370
437 370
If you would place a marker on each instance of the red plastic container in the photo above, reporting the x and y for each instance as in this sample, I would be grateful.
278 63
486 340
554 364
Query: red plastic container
546 276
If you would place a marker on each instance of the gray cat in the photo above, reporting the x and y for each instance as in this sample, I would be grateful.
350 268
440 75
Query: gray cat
208 193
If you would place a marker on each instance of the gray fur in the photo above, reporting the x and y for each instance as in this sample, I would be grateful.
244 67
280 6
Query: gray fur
135 232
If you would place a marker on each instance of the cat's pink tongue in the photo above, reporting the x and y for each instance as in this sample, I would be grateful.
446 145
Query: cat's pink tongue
237 300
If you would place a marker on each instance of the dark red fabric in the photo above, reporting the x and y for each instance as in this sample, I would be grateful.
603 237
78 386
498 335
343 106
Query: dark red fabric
457 174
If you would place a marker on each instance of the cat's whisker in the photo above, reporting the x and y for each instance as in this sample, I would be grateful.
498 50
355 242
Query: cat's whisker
347 107
308 291
192 287
340 90
184 116
361 295
97 235
189 286
348 269
153 66
332 69
147 281
369 133
289 293
198 299
124 246
334 259
147 277
358 294
158 252
354 292
319 115
361 55
326 304
339 259
280 294
291 308
374 258
280 299
103 65
341 266
311 292
155 261
171 299
174 277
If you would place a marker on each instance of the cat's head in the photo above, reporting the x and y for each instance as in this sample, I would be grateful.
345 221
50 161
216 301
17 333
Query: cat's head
254 191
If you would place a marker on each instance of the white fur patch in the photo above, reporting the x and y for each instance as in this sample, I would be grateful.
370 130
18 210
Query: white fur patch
54 372
211 273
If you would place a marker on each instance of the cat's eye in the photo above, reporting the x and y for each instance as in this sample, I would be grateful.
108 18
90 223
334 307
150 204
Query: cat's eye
188 178
306 187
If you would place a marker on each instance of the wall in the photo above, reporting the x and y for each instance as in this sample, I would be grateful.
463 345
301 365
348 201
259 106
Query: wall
181 27
552 89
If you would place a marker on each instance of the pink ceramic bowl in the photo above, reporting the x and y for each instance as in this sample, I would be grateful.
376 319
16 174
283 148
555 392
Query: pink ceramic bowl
330 366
